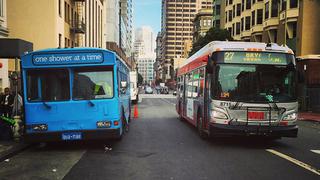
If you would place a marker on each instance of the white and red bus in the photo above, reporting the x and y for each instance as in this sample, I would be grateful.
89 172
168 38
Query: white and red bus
239 88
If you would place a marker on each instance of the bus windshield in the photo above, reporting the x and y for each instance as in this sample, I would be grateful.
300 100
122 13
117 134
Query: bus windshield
93 83
254 83
48 85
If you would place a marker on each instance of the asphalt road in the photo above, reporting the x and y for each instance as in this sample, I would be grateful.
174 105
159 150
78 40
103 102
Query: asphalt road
159 146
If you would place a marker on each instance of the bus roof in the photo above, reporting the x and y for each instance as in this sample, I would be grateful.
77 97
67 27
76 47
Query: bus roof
29 60
200 58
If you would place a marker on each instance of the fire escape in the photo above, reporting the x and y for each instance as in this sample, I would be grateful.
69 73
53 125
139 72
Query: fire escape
78 26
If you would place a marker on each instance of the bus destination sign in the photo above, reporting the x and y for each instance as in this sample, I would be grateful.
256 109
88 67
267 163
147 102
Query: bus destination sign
255 58
74 58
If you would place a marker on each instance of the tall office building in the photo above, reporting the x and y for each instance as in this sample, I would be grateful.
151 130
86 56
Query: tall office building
263 20
126 26
177 27
113 21
59 23
4 80
145 52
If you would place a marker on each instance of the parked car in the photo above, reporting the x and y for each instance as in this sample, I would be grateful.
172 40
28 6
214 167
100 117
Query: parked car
149 90
164 90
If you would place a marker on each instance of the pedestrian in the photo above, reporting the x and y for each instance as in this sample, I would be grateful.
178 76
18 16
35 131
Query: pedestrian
6 102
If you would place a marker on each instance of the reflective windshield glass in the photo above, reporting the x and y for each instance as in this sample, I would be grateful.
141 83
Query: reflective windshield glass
254 83
48 85
93 83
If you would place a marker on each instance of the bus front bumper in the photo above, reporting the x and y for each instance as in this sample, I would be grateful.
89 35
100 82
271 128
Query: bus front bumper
222 130
85 135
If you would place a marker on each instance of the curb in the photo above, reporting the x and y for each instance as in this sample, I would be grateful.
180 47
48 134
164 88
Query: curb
14 150
311 120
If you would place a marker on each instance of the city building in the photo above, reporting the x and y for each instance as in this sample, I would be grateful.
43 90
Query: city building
61 23
263 20
4 80
126 26
218 7
202 23
308 28
176 27
145 52
113 21
146 68
157 65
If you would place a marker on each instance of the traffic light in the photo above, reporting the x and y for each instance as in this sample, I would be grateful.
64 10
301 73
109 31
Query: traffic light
1 65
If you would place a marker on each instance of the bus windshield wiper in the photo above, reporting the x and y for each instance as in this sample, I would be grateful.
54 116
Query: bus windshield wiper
90 103
46 105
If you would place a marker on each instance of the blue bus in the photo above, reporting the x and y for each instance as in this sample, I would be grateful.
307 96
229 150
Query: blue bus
75 94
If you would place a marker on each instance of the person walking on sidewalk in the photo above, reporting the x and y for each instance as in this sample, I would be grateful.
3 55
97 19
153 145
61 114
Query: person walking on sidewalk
6 102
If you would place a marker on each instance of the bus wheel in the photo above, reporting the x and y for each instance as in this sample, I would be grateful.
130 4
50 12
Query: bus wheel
202 133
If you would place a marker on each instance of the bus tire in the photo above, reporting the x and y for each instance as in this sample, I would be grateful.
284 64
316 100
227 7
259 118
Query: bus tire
125 124
201 132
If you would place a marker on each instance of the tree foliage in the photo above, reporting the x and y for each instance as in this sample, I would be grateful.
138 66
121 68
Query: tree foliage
213 34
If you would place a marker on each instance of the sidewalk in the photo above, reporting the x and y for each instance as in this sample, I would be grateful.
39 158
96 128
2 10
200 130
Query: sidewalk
309 116
10 148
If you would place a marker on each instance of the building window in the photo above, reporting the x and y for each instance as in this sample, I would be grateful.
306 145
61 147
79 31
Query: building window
293 3
1 8
226 17
238 9
233 30
230 15
60 39
234 11
259 16
59 7
242 24
266 15
284 5
65 42
248 5
218 8
238 28
253 18
242 8
65 11
274 8
248 23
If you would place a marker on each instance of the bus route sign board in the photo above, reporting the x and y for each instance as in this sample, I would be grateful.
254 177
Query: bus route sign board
255 58
67 58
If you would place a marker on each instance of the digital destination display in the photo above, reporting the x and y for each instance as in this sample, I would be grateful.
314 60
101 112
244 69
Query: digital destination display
255 58
67 58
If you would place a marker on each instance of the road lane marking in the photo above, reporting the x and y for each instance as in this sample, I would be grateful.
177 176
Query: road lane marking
295 161
168 102
315 151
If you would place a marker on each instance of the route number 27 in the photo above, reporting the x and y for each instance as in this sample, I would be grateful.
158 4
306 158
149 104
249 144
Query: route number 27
228 56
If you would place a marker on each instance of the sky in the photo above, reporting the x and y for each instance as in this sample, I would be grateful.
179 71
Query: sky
147 13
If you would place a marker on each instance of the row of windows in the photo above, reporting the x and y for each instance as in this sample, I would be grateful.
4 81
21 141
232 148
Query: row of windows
193 86
256 19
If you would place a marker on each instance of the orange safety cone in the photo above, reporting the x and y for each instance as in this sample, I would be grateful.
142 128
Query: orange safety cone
135 112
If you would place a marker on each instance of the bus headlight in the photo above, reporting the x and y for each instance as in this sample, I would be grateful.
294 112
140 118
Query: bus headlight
103 124
218 115
39 127
290 117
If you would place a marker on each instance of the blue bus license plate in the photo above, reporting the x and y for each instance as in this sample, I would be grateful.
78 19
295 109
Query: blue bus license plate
72 136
